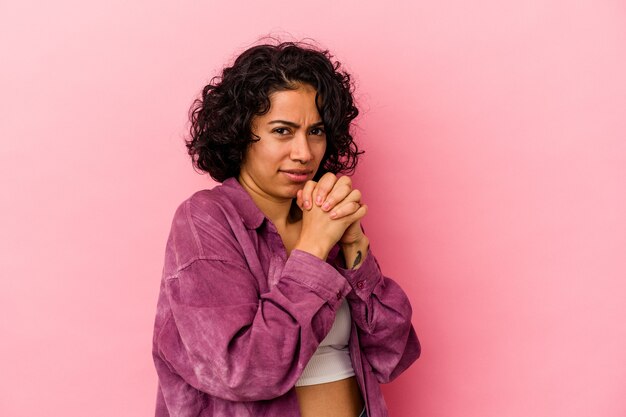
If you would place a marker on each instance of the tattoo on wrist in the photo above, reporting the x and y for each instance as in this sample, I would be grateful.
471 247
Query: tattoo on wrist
358 259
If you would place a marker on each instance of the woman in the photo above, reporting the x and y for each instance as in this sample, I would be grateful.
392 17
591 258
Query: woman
271 302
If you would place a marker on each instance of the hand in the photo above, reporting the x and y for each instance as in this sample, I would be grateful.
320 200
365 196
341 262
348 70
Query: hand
335 194
320 231
332 190
353 233
327 193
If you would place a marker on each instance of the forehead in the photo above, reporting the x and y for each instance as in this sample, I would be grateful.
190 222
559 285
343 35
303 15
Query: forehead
295 103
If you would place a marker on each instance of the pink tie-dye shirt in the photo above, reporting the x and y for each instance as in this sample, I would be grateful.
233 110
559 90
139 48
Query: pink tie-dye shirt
237 320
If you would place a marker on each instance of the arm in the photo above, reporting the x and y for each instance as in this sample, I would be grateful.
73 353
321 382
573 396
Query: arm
382 313
224 338
379 307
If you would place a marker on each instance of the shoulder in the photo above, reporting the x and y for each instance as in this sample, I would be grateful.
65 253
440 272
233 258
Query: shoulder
206 226
211 205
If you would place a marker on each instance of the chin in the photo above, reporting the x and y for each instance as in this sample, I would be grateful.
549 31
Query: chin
294 192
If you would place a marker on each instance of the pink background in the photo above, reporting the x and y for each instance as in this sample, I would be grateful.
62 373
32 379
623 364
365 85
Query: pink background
495 173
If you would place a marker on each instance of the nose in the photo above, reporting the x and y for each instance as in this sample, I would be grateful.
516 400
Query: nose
300 150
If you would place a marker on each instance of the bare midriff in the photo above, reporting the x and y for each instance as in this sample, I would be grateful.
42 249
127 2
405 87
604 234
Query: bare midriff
333 399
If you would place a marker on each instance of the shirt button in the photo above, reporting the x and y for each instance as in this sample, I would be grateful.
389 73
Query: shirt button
360 285
338 295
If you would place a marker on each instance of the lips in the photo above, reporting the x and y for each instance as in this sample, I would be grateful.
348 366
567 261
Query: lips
297 175
297 171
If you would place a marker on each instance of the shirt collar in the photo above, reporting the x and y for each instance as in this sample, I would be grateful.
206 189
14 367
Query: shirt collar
251 215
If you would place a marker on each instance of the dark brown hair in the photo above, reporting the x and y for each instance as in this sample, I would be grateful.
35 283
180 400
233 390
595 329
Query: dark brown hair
221 118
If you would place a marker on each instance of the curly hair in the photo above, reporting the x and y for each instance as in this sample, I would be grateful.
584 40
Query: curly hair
221 119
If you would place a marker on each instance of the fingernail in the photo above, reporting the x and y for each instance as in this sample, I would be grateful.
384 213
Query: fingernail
326 206
318 200
307 204
333 215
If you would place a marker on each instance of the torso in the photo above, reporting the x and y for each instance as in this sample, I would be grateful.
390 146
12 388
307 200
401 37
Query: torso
334 399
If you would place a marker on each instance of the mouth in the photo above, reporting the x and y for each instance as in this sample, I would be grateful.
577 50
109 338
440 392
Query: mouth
297 175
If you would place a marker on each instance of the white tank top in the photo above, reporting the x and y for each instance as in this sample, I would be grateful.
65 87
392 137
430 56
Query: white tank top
331 360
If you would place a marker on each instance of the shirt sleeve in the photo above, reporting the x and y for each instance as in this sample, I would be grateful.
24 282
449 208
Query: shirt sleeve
382 313
226 339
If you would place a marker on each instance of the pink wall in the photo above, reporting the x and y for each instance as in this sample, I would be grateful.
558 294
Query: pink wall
495 173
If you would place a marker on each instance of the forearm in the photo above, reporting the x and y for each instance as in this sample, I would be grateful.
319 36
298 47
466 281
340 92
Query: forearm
287 321
382 313
354 254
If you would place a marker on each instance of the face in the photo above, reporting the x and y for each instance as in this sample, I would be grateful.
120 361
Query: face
291 146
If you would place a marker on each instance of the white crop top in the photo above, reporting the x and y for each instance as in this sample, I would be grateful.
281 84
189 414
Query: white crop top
331 360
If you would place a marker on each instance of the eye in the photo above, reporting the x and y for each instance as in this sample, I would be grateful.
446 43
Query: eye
318 131
281 131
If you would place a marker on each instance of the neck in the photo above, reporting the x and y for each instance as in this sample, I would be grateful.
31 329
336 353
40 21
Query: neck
281 212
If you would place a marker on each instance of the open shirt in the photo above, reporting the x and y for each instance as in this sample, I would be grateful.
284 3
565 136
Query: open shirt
237 320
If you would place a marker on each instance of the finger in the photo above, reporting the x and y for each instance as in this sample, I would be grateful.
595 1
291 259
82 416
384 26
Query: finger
307 194
348 205
345 209
323 187
340 191
354 195
357 215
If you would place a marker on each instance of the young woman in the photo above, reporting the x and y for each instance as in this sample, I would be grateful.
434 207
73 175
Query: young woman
271 302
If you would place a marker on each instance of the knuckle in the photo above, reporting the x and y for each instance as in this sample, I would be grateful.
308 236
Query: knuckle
328 181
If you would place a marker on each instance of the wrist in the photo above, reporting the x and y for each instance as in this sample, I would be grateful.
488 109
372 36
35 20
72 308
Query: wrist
312 248
355 253
362 242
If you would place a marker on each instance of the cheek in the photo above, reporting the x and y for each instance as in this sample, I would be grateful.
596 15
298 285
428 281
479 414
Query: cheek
269 155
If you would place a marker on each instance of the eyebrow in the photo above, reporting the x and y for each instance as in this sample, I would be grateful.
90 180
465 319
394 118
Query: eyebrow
294 125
